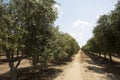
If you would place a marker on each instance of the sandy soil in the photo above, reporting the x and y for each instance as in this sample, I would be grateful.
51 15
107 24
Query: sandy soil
83 68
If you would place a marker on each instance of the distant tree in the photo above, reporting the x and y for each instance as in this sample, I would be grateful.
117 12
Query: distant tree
107 33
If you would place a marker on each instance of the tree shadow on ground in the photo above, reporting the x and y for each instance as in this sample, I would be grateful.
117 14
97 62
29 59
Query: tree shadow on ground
46 74
96 69
28 74
111 68
61 62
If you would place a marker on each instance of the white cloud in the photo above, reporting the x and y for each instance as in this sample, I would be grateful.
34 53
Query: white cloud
80 23
81 31
76 34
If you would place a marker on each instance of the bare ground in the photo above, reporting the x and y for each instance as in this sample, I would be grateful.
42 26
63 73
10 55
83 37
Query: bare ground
4 67
83 68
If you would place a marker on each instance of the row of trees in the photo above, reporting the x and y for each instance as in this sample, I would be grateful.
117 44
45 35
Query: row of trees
59 47
106 34
27 30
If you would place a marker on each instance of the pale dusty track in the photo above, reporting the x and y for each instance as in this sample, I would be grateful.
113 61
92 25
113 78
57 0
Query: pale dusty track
73 70
78 70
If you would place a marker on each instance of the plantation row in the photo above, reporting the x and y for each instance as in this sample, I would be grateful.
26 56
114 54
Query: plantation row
106 34
27 30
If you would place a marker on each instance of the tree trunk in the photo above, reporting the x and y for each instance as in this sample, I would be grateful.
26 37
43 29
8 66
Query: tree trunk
13 73
11 61
110 56
99 54
105 55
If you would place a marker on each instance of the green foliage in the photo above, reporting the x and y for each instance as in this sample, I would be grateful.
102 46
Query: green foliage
11 31
59 47
106 34
26 30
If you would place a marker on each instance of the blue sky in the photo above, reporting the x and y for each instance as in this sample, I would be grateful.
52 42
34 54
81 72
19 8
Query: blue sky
78 17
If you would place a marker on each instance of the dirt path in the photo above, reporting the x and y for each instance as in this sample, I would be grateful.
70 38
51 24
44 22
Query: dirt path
83 68
72 71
